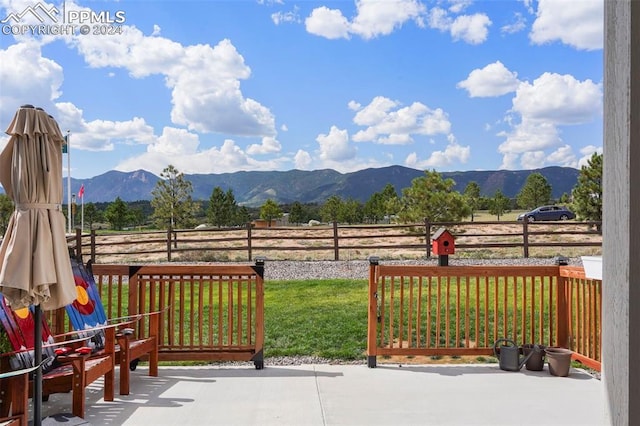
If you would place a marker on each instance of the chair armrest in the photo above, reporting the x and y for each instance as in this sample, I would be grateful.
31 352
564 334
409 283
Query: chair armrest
15 373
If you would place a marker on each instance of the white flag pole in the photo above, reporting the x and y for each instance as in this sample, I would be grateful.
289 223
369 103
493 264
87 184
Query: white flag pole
82 214
69 179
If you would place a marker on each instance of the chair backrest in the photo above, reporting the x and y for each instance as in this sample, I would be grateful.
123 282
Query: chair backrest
86 311
19 326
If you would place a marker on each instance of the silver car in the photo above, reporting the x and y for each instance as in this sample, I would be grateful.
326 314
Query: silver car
548 213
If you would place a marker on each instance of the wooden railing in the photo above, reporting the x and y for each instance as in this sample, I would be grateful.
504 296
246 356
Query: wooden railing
447 310
336 242
207 312
216 312
583 313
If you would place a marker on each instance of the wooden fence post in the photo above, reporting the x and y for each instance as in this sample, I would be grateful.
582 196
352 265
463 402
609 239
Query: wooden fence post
525 237
249 248
562 313
427 236
133 299
169 244
336 246
79 244
93 246
372 327
258 357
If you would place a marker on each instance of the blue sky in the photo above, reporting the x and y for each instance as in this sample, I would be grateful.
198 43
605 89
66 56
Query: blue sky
224 86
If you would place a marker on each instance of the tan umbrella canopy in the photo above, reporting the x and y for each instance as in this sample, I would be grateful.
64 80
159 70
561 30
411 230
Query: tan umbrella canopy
34 257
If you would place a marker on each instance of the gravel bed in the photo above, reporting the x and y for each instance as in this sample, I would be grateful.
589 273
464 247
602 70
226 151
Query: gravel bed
359 269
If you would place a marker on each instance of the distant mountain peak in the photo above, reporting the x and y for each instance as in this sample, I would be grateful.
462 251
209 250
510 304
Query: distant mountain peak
254 188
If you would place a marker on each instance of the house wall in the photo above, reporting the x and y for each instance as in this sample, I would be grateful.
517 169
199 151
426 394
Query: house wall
621 212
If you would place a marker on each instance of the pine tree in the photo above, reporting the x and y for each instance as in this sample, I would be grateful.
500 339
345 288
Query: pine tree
330 210
472 195
296 213
270 211
117 214
433 198
587 194
223 210
171 202
499 204
535 192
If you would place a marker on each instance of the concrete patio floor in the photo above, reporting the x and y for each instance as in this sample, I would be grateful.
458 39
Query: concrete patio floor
322 394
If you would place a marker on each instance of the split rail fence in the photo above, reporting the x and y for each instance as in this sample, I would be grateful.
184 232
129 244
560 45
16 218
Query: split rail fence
335 242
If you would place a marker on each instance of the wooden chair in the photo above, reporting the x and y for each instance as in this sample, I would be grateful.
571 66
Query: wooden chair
14 389
87 312
67 366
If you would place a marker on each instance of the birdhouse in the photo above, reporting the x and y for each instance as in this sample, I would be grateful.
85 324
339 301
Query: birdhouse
442 242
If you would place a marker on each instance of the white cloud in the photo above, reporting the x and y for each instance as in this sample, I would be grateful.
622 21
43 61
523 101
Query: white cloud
472 29
563 156
328 23
388 125
292 16
204 80
354 106
186 157
45 79
269 145
373 19
453 153
560 99
457 6
552 100
579 24
586 153
439 19
530 135
493 80
335 146
44 90
375 112
532 160
101 135
303 160
519 23
510 161
175 142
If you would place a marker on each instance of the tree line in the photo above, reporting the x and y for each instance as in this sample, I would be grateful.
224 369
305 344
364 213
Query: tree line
430 197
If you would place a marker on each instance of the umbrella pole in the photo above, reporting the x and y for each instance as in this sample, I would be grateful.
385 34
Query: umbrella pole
37 381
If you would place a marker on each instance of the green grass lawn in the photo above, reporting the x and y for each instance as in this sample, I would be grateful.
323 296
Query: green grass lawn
326 318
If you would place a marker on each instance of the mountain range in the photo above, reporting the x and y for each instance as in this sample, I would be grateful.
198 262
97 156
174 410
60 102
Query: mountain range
254 188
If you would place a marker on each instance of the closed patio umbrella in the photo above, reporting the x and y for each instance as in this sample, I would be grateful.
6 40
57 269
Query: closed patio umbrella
34 259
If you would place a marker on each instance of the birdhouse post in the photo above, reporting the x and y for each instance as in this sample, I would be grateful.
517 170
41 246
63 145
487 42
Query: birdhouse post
443 245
